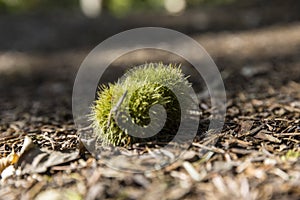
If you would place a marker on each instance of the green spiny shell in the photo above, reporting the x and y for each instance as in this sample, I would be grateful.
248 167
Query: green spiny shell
145 86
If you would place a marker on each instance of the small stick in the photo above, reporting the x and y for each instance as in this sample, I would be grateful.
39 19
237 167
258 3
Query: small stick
116 107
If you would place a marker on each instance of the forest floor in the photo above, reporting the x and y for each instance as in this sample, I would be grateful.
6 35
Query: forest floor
256 155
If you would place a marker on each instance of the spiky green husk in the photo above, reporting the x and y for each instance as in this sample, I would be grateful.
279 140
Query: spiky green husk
146 86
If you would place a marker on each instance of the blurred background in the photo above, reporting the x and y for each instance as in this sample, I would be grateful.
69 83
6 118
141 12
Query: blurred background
47 25
255 44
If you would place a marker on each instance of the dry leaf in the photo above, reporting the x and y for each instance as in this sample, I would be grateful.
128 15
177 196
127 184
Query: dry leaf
34 160
11 159
7 172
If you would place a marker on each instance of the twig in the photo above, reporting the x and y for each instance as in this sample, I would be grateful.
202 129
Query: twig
50 140
115 108
214 149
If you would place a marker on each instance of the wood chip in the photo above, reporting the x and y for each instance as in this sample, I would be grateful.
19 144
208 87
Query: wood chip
192 171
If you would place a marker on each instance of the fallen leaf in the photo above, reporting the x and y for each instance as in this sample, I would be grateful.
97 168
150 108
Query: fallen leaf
7 172
11 159
34 160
